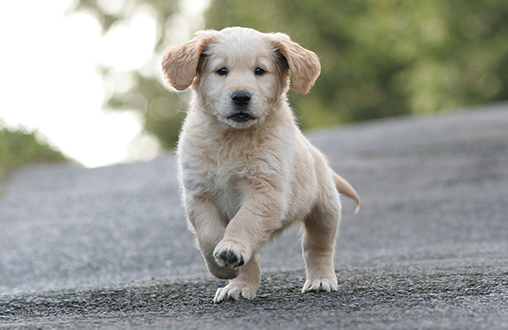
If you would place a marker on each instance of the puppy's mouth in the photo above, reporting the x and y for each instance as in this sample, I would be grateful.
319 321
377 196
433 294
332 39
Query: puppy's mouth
241 117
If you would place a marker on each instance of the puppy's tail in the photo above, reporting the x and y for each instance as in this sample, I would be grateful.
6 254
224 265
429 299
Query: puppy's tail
347 189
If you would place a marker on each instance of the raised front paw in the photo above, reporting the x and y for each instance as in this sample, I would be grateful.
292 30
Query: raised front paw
230 255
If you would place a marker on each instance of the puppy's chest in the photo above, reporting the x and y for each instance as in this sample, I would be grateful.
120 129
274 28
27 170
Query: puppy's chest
216 175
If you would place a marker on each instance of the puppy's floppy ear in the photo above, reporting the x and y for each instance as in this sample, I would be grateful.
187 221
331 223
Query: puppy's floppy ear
304 64
180 63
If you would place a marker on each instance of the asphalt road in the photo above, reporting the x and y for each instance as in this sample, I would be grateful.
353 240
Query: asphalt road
108 247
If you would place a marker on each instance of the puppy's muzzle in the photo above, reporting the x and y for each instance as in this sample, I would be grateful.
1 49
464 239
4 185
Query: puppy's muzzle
241 101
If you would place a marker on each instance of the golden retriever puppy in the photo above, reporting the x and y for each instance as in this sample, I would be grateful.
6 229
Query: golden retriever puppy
247 172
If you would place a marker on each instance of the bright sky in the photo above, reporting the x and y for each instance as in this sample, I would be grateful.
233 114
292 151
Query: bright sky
49 81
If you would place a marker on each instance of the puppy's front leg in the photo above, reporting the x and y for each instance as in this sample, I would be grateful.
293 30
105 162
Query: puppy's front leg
206 224
243 286
252 226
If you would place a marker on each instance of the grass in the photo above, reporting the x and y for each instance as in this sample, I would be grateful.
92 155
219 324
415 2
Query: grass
20 147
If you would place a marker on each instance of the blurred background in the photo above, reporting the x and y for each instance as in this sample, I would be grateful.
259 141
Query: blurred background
81 79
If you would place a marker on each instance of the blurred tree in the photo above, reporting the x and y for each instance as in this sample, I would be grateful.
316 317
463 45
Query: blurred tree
379 58
162 109
385 58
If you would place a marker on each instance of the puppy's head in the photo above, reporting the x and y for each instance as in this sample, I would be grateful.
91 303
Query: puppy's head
240 74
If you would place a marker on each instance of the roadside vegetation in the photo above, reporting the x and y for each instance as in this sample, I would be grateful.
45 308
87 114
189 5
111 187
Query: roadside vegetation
379 59
21 146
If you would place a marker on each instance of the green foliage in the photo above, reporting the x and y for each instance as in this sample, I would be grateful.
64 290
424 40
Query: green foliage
386 58
379 58
20 147
163 110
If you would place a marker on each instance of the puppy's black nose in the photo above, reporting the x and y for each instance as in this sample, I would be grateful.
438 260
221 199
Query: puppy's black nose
241 98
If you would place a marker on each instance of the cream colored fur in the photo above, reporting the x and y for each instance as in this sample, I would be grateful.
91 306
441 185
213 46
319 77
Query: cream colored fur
245 181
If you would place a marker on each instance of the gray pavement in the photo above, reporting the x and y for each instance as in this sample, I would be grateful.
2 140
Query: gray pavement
108 247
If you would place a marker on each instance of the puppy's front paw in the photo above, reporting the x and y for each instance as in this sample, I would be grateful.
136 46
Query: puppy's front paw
230 255
236 291
320 285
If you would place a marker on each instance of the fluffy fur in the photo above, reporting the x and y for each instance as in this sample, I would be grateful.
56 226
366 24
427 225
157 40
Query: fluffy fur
247 172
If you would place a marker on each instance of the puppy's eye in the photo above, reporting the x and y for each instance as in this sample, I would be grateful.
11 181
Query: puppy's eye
222 71
259 72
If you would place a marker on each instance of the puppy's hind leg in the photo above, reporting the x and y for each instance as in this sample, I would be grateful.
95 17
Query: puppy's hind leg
318 243
206 223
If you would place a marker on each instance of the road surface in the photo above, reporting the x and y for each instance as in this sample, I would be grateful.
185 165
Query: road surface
108 247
